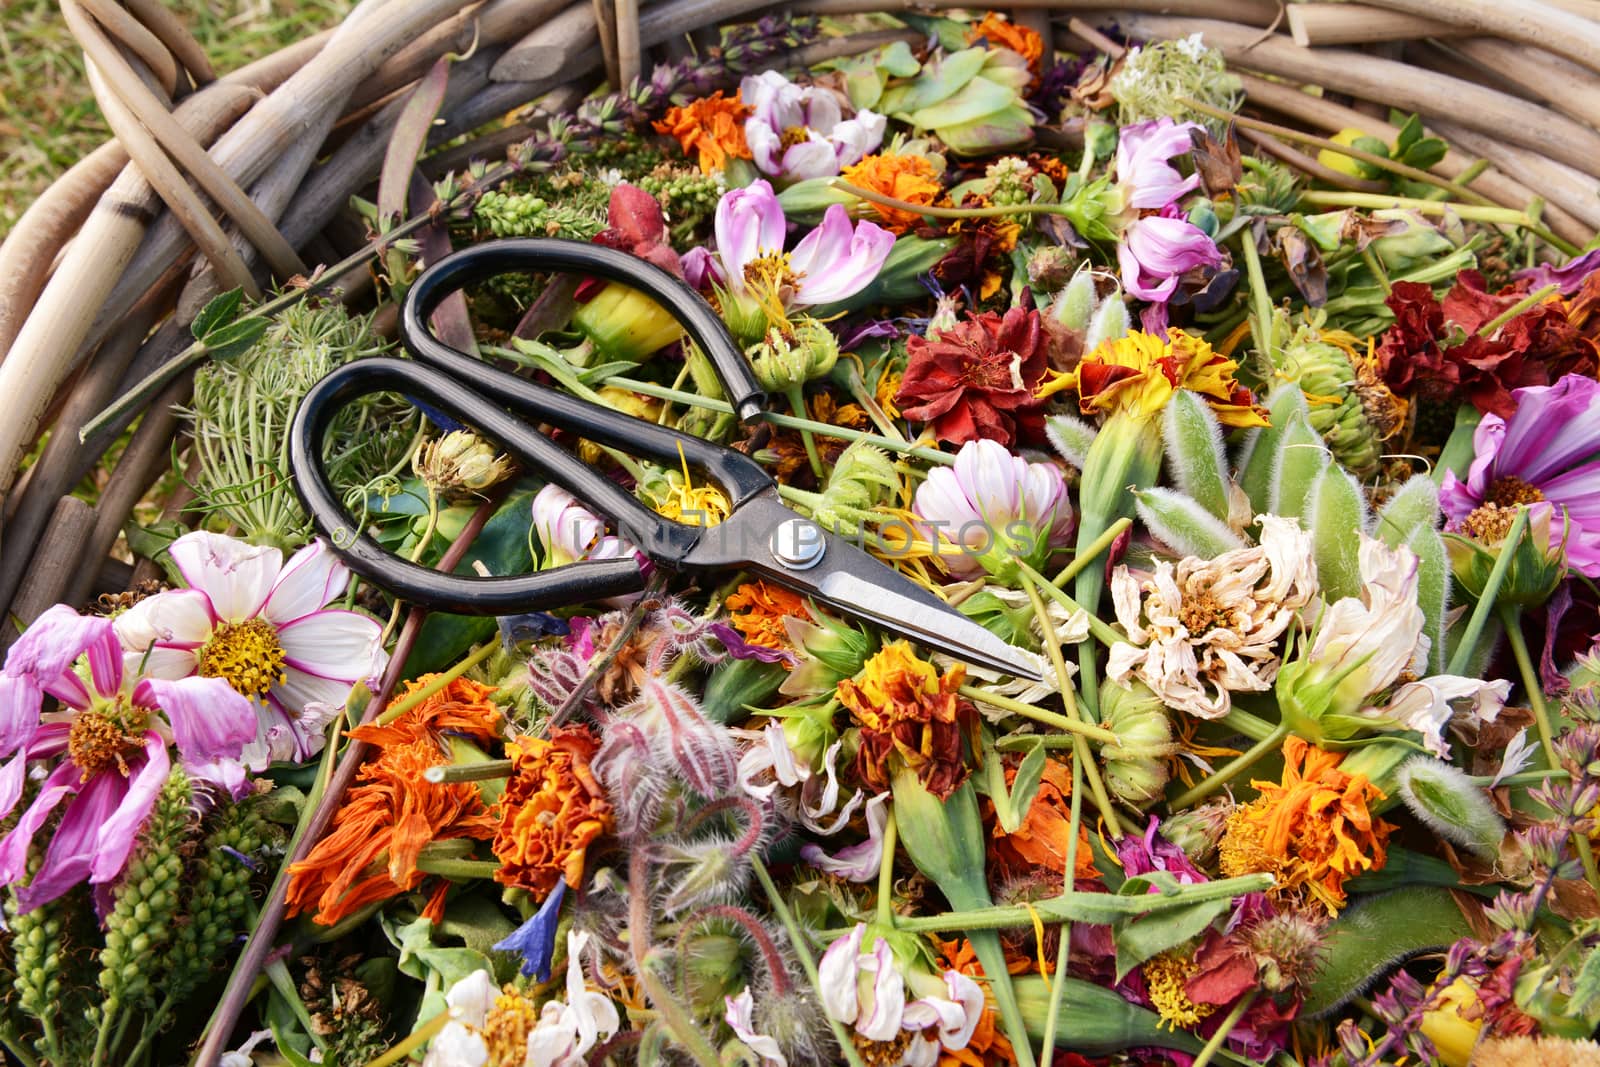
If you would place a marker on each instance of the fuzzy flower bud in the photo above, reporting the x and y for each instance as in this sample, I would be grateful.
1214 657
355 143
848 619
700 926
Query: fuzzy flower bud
460 462
1136 766
861 478
1075 304
1538 561
1198 830
785 361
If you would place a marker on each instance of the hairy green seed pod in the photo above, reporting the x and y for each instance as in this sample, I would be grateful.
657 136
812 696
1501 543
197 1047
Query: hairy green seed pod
1449 802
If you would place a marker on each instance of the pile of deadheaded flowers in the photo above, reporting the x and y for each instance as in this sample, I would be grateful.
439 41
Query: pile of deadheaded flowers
1296 499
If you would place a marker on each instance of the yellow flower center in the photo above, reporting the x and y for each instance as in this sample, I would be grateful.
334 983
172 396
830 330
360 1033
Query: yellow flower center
795 135
1202 612
1510 491
247 655
882 1053
1164 979
507 1026
1488 523
101 738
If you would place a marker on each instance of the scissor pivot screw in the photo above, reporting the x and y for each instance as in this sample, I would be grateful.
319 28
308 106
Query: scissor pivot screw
797 544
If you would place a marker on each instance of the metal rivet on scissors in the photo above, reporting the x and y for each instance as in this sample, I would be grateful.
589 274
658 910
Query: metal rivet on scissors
761 535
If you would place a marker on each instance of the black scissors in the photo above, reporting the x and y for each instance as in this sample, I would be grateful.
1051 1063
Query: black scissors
761 535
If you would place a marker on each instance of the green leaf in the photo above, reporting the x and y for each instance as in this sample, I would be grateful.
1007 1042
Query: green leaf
938 81
503 548
1181 524
219 310
1377 933
1585 999
1456 456
980 97
1301 459
438 966
1192 437
1338 518
1410 133
152 542
1139 939
1259 460
236 337
1024 787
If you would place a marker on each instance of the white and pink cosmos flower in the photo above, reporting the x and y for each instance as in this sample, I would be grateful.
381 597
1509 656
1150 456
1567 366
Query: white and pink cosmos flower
264 627
867 989
797 132
995 508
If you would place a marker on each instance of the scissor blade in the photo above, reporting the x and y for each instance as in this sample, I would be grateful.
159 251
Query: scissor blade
850 581
913 612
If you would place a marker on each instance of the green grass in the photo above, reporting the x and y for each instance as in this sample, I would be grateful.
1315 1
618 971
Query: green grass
48 117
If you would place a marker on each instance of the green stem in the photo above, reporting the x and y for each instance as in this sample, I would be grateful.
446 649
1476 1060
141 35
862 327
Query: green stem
1091 552
929 211
485 771
16 1048
1253 727
807 962
1106 905
797 404
1213 1046
1101 631
1234 768
1370 258
1049 718
1491 590
891 834
1058 984
1520 779
436 683
1260 297
102 1037
457 870
1536 297
1081 756
787 422
677 1020
1503 216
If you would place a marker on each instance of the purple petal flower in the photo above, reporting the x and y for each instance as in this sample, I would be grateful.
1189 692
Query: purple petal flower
1144 169
739 648
859 862
1569 276
1155 251
836 260
1547 447
535 940
749 223
1150 852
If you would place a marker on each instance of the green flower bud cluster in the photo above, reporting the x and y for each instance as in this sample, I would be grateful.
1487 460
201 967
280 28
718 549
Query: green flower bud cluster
38 948
1324 373
688 197
1007 182
528 215
1136 766
220 904
862 477
141 922
785 361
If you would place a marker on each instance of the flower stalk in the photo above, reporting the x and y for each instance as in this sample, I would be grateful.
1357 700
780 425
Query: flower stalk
1049 718
437 683
1468 644
1235 767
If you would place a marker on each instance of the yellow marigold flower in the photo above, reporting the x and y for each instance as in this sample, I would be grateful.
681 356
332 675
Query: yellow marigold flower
712 127
907 177
758 610
907 710
1313 831
551 811
1139 373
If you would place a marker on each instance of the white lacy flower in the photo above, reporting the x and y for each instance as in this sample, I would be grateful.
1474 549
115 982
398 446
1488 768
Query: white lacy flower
867 990
1205 629
262 625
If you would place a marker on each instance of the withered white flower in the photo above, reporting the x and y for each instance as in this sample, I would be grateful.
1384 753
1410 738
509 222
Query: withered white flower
1203 630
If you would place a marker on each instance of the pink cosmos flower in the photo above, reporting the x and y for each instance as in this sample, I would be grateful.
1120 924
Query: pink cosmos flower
997 508
834 261
1155 250
111 738
261 625
797 132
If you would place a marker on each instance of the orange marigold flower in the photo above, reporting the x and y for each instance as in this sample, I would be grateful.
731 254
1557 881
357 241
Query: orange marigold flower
907 177
1000 32
758 610
551 811
370 853
1041 840
988 1047
712 127
1312 832
907 710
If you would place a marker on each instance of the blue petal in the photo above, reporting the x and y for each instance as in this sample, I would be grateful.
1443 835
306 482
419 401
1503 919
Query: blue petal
535 940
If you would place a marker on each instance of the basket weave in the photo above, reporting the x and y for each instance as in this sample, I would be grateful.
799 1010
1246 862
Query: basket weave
99 280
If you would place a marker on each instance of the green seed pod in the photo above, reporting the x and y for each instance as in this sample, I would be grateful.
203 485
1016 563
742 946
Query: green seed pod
1324 373
145 901
1136 766
1449 802
1181 524
1192 437
1074 305
1109 323
1338 517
